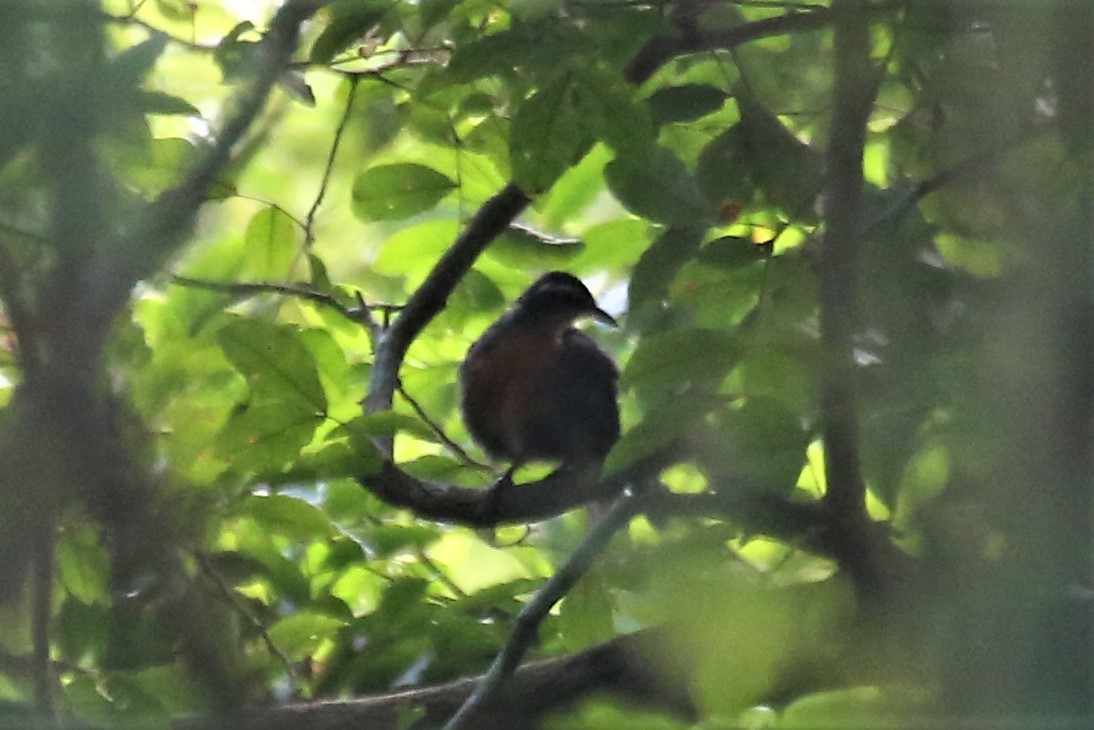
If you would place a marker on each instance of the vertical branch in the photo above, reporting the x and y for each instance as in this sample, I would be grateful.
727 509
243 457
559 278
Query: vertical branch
853 97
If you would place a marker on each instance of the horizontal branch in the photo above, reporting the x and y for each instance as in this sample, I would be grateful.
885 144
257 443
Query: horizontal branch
242 289
549 497
624 667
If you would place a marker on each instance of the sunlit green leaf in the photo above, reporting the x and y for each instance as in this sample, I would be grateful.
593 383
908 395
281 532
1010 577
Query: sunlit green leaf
394 192
302 633
277 364
287 515
270 242
83 564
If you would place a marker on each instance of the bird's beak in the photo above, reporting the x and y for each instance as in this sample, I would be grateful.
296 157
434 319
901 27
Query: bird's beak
601 316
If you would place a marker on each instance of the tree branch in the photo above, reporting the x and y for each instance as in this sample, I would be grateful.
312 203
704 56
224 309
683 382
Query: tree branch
359 315
662 49
855 85
309 220
531 616
549 497
430 298
625 667
167 220
503 208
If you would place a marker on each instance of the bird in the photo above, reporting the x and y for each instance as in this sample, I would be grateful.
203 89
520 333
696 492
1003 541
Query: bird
534 388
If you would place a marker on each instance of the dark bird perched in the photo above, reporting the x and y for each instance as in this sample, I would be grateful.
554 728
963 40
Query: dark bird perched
535 388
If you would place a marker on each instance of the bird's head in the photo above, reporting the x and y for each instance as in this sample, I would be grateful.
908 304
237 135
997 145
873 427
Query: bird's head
559 298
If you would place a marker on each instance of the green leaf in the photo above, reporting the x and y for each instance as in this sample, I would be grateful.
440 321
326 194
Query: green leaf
724 170
300 634
659 263
276 363
547 136
432 12
790 173
169 159
586 615
403 596
732 252
270 244
576 189
157 102
388 423
83 565
336 459
349 20
524 248
386 541
534 9
680 356
685 102
231 52
542 46
663 424
869 706
608 108
266 436
129 67
658 186
760 443
289 516
395 192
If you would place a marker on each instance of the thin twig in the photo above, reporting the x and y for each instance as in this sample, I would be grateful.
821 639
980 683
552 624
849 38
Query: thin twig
131 19
166 222
544 238
531 616
279 208
359 314
972 165
439 574
309 220
439 432
230 595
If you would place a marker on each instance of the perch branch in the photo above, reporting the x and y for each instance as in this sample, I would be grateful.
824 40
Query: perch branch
500 211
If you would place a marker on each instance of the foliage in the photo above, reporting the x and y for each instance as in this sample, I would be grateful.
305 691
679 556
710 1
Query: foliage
876 501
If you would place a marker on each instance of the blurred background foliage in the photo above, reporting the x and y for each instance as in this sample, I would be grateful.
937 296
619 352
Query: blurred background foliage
690 199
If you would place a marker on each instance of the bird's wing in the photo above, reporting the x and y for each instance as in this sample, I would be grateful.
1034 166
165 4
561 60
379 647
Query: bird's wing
578 415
